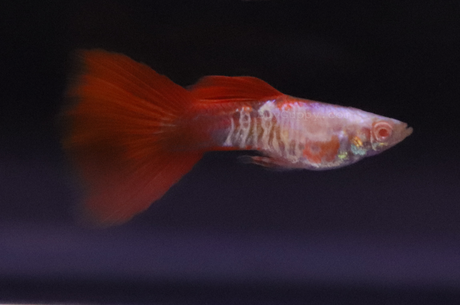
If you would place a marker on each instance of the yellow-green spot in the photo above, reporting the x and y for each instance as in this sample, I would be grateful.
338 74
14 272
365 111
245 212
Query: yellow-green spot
342 155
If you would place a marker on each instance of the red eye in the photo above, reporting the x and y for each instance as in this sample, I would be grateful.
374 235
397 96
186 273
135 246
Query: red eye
382 131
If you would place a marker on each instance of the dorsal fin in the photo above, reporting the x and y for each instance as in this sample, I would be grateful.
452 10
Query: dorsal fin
227 88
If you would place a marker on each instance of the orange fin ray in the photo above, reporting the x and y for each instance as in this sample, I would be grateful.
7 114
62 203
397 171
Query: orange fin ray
120 131
230 89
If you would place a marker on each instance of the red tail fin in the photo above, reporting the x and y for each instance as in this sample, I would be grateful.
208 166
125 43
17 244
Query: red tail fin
120 134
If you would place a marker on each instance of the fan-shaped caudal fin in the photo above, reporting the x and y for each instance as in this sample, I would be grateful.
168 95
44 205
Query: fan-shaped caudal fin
120 133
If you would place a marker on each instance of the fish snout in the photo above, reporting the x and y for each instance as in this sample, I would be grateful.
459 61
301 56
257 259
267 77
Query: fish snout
402 132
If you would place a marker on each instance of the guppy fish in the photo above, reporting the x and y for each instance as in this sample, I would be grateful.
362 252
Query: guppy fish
132 133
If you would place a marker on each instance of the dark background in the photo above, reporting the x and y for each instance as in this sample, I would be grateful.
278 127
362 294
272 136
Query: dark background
383 231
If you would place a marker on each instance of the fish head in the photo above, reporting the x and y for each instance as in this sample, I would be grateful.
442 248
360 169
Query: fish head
377 135
386 133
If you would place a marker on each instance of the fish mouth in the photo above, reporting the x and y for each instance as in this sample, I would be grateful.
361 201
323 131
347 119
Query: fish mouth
404 132
407 131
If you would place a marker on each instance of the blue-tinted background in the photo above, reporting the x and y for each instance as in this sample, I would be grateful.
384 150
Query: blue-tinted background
383 231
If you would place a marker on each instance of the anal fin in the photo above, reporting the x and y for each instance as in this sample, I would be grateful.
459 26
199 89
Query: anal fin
266 161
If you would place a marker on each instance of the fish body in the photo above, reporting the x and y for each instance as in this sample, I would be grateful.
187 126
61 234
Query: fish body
297 133
133 133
